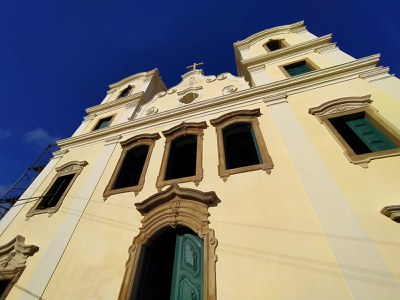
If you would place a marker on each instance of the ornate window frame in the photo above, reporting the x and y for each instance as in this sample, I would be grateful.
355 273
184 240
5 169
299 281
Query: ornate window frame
13 257
173 133
142 139
351 105
101 119
170 208
72 167
308 62
241 116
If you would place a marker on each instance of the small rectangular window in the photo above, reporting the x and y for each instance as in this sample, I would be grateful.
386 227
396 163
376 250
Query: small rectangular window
298 68
273 45
360 134
103 123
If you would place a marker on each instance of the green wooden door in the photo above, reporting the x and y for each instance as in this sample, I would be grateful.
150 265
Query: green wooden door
187 279
371 136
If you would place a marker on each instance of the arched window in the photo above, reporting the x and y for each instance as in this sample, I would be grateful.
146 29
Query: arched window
132 166
241 147
174 253
182 159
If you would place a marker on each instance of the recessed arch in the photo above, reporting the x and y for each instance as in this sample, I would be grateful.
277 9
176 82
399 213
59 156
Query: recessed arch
169 209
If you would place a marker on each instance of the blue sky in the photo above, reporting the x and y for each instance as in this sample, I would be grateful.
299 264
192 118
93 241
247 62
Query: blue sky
58 57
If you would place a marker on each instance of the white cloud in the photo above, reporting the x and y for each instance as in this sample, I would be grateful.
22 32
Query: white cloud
4 133
39 137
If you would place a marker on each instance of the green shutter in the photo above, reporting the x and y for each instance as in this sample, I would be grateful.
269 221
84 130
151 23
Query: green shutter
256 145
187 279
371 136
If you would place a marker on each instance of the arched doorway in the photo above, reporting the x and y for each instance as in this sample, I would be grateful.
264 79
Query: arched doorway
173 257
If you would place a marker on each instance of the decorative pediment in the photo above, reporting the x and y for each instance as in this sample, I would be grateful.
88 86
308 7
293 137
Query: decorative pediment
392 212
13 255
174 207
194 88
176 193
71 167
184 127
137 138
340 105
251 40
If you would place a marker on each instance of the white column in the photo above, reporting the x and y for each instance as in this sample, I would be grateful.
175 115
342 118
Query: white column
366 273
48 264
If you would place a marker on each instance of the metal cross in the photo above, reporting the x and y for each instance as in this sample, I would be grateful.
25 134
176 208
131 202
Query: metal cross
193 67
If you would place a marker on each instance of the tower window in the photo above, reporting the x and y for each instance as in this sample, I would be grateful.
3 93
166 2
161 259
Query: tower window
131 169
182 159
53 197
125 92
273 45
103 123
241 147
298 68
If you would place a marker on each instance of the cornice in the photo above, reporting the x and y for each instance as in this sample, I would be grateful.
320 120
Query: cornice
251 40
133 77
114 104
311 80
392 212
278 54
174 191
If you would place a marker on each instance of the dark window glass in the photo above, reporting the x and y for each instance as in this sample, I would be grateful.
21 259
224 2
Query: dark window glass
125 92
55 192
274 45
132 167
103 123
169 255
240 146
3 286
298 68
360 134
182 157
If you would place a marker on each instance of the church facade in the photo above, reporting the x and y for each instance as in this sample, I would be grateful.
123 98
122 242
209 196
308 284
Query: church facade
279 183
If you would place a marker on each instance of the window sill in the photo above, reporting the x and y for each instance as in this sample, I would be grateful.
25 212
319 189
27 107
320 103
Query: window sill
195 179
225 173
